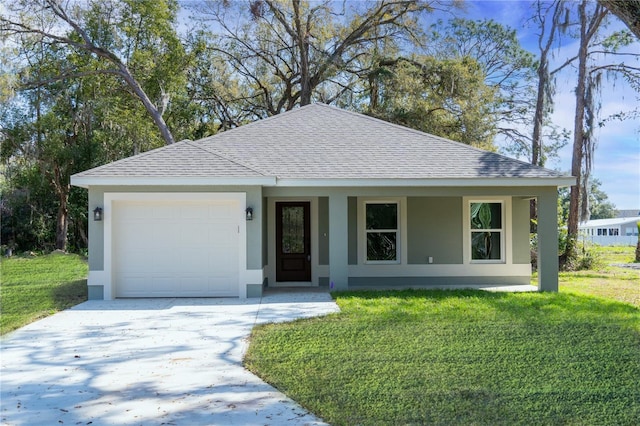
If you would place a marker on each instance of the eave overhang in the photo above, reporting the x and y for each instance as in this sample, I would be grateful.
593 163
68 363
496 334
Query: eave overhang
87 181
561 181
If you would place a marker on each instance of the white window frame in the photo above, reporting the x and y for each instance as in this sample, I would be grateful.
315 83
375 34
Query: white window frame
401 231
505 231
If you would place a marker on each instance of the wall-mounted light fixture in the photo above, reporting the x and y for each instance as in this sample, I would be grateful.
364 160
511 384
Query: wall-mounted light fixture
249 212
97 214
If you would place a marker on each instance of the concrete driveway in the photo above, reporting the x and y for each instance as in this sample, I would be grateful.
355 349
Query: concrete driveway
149 361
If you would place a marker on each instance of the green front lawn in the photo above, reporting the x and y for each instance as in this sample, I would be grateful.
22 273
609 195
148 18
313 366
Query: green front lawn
35 287
607 280
459 357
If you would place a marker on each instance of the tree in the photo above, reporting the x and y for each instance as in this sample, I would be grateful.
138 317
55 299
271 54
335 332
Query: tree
215 90
448 98
287 54
129 39
627 10
506 66
41 155
548 18
582 138
587 21
69 111
601 207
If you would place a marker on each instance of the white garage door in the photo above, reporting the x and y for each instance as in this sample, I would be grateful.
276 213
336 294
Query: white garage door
175 248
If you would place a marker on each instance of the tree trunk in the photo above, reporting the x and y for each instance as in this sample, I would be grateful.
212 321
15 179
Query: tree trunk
588 28
543 99
538 123
538 119
303 45
578 130
62 223
62 187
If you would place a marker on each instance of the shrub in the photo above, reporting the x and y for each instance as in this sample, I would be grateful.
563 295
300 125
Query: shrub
578 258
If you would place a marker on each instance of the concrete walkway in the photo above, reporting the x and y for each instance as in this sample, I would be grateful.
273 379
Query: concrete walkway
149 362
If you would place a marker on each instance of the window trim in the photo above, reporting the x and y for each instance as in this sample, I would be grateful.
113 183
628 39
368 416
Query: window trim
401 230
505 231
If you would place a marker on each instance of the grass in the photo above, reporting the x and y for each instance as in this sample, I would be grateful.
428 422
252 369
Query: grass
606 281
35 287
459 357
426 357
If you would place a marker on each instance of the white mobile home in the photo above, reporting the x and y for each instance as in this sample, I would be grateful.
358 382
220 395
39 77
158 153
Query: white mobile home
608 232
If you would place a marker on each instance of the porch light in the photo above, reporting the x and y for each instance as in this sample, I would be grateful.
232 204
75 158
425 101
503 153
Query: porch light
97 214
249 212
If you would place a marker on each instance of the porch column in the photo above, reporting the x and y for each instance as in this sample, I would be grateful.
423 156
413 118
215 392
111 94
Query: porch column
338 242
548 240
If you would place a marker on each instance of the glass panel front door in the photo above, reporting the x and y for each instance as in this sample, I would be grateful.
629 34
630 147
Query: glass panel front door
293 244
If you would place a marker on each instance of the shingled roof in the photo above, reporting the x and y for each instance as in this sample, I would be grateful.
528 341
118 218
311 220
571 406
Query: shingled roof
317 143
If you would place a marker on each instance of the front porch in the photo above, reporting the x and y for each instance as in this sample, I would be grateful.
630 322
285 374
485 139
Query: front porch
431 243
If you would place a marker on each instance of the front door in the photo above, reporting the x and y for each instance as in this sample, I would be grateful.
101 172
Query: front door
293 243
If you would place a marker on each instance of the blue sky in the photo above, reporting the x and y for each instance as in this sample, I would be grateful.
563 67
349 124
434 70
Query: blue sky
617 157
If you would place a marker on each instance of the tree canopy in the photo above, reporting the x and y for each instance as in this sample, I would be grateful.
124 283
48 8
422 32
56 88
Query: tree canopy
86 82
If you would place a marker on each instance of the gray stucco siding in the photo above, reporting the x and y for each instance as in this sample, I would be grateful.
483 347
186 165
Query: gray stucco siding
96 231
265 234
520 228
353 230
434 229
323 230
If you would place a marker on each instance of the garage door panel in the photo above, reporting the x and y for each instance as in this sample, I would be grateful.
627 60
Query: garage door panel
195 212
194 285
196 260
165 238
143 231
221 209
191 234
131 211
133 261
164 263
175 249
137 286
223 234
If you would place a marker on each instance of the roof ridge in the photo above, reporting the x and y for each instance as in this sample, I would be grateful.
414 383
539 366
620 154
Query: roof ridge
224 157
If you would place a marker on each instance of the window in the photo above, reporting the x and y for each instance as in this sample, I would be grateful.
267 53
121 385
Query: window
381 227
487 231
